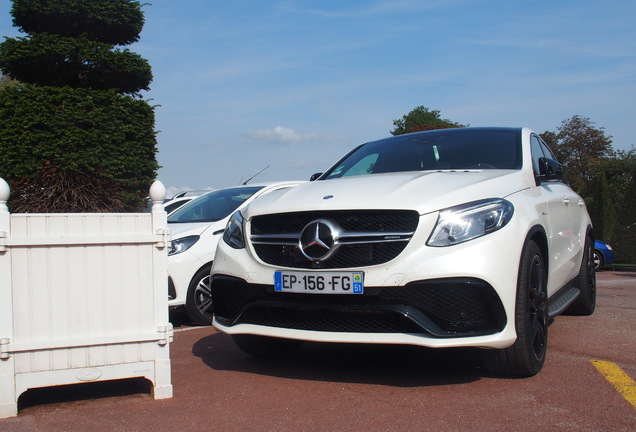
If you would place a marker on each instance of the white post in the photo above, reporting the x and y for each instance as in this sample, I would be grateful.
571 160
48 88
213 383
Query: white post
8 402
163 383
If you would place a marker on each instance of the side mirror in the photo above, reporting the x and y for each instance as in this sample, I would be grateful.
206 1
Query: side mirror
315 176
549 169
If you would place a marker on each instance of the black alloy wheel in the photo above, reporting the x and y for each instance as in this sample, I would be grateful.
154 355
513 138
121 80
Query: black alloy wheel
527 354
537 309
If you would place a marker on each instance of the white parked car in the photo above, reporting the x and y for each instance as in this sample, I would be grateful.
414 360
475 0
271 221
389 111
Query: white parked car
450 238
196 228
174 203
180 198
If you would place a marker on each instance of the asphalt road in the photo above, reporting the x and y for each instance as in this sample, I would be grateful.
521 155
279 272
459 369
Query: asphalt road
587 384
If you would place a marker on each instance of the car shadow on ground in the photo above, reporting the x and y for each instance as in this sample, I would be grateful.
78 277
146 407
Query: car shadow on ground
179 319
391 365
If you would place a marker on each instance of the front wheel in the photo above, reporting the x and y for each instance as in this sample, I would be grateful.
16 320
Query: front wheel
526 356
198 304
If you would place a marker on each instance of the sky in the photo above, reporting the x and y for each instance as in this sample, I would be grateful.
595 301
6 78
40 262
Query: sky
281 89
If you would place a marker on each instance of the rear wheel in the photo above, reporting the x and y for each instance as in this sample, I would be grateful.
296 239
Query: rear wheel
526 356
585 304
263 346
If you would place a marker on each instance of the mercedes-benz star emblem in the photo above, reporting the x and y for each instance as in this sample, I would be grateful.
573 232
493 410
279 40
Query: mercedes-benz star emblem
318 240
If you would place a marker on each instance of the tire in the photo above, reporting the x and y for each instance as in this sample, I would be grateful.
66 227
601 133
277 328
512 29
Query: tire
526 356
585 304
266 347
198 304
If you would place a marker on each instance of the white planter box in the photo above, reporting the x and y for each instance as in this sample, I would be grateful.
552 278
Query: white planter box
83 297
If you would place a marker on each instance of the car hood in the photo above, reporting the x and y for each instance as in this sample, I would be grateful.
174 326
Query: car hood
425 191
179 230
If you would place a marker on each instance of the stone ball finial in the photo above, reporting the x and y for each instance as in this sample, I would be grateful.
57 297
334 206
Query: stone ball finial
157 195
5 192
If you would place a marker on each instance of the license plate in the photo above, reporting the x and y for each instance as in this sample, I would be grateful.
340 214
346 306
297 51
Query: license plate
319 282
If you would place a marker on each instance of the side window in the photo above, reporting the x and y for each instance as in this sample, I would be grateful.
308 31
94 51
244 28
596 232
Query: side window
546 150
537 147
173 205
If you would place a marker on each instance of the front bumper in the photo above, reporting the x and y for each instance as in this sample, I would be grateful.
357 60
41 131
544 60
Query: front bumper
435 313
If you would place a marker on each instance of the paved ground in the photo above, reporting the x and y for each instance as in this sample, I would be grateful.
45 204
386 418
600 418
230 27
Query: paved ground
355 388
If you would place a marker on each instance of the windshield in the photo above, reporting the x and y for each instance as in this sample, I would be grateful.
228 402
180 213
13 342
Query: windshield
446 149
213 206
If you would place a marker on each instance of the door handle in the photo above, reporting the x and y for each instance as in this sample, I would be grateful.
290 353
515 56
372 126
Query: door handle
566 200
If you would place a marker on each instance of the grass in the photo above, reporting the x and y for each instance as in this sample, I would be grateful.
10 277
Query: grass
624 267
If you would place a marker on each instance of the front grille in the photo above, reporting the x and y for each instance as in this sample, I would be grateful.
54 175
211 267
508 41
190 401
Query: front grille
373 237
439 308
349 220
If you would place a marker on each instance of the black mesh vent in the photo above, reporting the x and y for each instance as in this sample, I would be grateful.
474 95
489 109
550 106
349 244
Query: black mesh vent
332 321
347 256
454 306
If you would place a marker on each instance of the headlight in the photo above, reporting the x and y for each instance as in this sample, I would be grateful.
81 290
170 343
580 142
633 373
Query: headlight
181 245
233 234
469 221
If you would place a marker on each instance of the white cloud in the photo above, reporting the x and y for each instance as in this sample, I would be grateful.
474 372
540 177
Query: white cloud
280 134
299 163
382 8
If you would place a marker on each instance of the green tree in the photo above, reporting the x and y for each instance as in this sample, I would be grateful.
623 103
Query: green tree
5 82
602 209
627 220
421 119
52 60
116 22
578 145
75 134
612 203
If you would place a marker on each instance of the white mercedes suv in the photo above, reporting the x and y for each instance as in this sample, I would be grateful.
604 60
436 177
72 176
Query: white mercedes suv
463 237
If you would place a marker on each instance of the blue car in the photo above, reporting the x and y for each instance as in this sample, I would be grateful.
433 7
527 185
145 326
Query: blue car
603 254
